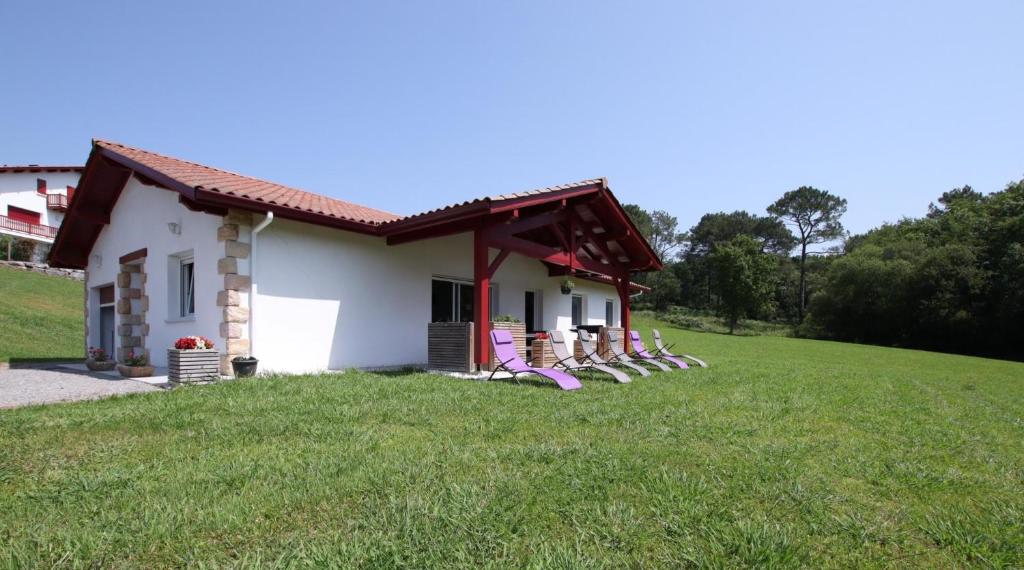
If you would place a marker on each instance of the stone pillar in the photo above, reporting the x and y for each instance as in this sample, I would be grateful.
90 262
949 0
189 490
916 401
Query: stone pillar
132 306
233 298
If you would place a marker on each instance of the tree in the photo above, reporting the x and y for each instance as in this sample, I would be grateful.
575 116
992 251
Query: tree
664 289
815 215
744 278
712 229
660 228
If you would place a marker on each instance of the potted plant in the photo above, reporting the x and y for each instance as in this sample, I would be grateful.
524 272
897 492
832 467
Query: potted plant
99 360
567 285
193 359
244 366
132 366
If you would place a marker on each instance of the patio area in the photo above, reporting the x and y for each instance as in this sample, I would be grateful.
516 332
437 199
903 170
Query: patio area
68 382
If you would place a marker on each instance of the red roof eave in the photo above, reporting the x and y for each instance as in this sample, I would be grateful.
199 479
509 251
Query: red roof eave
41 168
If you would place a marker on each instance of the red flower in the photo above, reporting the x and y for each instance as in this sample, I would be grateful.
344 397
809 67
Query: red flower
193 342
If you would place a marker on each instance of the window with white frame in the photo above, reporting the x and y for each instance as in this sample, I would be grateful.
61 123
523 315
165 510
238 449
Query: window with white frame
181 286
187 287
577 310
609 312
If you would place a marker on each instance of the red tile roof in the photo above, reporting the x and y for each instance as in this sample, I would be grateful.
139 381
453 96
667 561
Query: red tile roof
496 200
210 179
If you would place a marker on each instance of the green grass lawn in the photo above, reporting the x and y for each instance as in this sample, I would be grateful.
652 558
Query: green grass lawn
40 317
786 452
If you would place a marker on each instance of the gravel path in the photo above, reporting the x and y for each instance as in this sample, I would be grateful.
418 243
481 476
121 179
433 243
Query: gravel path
48 384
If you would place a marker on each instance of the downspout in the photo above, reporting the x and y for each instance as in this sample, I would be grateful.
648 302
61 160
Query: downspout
252 274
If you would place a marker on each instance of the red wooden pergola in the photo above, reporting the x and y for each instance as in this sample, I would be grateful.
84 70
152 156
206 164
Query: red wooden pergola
579 230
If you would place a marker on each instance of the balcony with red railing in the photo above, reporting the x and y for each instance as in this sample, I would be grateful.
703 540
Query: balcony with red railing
11 226
57 202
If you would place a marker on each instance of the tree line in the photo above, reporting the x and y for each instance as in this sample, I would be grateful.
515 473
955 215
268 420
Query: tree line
950 281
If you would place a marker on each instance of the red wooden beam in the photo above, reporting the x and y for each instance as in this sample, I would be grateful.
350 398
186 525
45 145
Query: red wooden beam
622 284
557 230
481 299
549 254
600 244
493 267
134 256
526 224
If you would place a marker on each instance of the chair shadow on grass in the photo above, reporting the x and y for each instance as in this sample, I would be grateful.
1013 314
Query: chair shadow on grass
398 372
526 380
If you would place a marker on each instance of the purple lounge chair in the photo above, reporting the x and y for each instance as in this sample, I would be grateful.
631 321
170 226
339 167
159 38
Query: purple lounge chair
505 353
661 349
590 354
567 361
622 356
639 350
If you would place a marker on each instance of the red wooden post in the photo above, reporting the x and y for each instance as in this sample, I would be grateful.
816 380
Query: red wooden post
481 298
622 284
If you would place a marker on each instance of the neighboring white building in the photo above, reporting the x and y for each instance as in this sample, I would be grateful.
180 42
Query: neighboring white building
305 282
33 200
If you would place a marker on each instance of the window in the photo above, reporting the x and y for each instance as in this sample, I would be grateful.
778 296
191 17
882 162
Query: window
452 301
577 310
492 301
609 312
529 312
187 287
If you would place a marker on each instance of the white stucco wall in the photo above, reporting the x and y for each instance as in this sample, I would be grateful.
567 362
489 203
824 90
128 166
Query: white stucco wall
139 220
331 299
18 189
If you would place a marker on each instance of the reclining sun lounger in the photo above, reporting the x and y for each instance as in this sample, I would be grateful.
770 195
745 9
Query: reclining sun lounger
641 351
664 350
566 360
509 361
590 354
620 355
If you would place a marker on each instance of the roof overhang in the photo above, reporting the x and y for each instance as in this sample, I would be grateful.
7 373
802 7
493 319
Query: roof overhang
580 229
39 168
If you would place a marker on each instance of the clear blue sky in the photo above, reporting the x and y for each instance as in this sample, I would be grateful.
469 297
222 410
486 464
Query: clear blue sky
685 106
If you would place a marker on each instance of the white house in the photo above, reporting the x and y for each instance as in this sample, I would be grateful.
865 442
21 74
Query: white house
305 282
33 200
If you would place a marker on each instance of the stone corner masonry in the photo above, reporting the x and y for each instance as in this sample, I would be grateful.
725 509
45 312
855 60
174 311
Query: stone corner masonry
230 297
132 306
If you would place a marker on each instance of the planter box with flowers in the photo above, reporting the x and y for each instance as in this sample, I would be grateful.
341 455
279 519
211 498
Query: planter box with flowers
193 359
133 366
543 356
98 360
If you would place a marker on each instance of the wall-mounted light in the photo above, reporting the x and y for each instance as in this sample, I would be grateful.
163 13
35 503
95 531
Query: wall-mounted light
174 227
97 260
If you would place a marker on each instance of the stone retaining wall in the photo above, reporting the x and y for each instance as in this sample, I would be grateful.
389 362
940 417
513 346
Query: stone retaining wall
76 274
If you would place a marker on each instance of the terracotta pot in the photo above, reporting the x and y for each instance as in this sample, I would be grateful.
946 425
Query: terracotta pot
135 371
100 365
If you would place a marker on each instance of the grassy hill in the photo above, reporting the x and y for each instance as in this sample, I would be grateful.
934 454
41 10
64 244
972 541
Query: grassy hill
40 316
786 452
